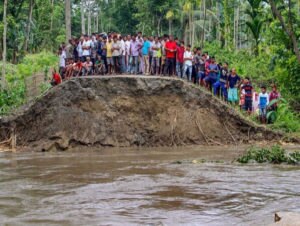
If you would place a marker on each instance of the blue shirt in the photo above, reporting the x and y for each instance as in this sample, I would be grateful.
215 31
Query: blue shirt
233 81
212 74
146 48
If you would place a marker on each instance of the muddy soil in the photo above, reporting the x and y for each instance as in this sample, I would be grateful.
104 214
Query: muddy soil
127 111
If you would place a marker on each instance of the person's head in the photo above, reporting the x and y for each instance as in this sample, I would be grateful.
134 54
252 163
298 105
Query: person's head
225 65
145 38
115 38
233 71
156 39
128 37
133 38
246 80
99 57
166 37
199 51
88 59
86 37
53 71
182 43
188 48
151 38
274 88
139 34
109 38
125 38
195 50
213 60
206 54
171 38
263 89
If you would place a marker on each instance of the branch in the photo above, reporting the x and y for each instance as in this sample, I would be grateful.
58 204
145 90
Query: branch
289 30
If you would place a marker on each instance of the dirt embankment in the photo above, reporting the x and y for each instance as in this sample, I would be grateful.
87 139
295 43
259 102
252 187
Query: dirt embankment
130 111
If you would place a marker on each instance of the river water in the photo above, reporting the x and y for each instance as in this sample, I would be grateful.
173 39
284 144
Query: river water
143 187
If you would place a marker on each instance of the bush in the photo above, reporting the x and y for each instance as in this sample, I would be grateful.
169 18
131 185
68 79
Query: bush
14 95
275 155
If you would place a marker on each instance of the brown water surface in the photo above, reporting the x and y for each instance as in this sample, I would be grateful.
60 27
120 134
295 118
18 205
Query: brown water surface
143 187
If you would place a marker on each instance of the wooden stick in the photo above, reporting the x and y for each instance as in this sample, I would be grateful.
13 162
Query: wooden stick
230 133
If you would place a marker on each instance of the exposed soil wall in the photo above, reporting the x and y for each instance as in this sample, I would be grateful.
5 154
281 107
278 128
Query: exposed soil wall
127 111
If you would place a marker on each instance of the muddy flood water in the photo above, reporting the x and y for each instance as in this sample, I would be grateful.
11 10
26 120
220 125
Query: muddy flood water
143 187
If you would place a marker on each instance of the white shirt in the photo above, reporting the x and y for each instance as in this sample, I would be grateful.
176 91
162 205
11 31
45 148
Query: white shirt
79 49
86 52
188 54
62 59
127 47
123 47
116 45
155 45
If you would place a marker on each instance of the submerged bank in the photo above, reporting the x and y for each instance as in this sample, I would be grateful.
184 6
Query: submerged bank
129 111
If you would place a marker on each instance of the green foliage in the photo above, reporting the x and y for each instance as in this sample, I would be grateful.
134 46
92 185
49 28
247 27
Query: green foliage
14 95
274 155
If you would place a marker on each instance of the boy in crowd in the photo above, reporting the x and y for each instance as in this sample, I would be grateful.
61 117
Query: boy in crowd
116 54
86 47
134 55
62 62
146 54
87 68
188 63
170 48
179 59
77 68
201 70
56 78
247 89
263 102
109 59
274 95
213 71
222 83
156 51
233 83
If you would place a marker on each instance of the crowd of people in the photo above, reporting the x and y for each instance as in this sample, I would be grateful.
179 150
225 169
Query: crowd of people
108 54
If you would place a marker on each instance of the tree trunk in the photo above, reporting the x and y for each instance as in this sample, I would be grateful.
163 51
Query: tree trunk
170 26
82 18
28 28
204 20
3 79
68 20
89 19
51 21
288 29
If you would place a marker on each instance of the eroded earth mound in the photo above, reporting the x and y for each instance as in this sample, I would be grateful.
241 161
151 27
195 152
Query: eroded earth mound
126 111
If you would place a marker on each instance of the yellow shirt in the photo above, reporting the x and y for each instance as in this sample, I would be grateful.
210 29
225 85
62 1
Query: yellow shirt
108 49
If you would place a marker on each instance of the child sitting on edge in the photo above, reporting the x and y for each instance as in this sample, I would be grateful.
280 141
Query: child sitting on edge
263 101
56 78
247 89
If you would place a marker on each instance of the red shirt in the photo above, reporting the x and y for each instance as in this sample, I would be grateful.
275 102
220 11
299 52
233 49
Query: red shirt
173 46
180 53
57 78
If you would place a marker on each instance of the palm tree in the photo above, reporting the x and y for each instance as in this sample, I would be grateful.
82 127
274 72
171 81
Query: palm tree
255 21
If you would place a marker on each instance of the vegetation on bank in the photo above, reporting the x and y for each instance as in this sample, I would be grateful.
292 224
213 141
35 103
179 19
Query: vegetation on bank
274 155
14 94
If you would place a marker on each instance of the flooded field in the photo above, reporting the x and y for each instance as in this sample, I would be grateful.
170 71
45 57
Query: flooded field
143 187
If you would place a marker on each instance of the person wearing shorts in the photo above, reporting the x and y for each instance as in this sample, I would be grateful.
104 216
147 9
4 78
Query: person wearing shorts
109 59
263 102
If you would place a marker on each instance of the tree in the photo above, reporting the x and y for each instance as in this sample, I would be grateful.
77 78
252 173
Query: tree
68 19
3 79
287 26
